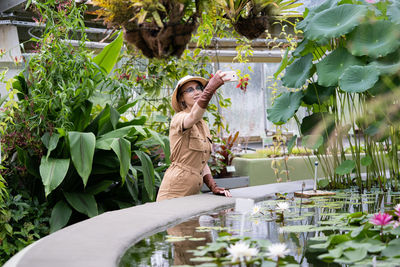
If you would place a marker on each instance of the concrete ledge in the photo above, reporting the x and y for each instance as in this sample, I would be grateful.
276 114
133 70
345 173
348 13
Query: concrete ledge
229 183
101 241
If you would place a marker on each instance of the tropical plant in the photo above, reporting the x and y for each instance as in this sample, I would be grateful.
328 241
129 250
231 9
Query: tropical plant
355 62
63 148
22 222
158 28
251 18
222 156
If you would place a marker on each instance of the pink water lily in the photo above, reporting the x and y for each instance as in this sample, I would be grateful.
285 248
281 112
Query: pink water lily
381 219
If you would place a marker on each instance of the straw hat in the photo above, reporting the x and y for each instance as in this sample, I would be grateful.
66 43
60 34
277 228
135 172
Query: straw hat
188 78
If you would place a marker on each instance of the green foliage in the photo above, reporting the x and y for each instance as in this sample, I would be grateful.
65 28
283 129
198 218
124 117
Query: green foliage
22 221
67 143
362 246
356 63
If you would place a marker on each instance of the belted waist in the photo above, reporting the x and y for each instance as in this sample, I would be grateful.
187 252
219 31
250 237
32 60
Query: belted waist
187 168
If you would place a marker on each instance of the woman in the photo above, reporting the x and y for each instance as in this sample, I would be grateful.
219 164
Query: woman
190 139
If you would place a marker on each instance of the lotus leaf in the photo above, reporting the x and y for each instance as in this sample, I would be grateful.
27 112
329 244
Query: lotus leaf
312 141
333 66
345 167
366 161
334 22
393 249
393 12
317 94
298 72
313 11
284 107
375 39
389 64
358 79
318 124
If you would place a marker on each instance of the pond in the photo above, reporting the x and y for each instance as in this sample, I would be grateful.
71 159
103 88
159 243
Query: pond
302 221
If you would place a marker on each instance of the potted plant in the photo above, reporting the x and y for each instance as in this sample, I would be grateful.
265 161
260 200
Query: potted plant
158 28
251 18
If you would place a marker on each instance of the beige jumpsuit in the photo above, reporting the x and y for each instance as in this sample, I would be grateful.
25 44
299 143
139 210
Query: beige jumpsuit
190 151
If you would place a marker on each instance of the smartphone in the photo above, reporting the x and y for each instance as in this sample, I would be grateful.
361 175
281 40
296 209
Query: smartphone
231 75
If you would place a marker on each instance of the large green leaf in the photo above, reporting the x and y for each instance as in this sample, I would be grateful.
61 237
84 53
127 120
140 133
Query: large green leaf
312 141
148 173
332 67
392 250
334 22
284 62
376 39
59 216
313 11
345 167
318 124
298 72
393 12
80 116
389 64
118 133
109 55
53 172
357 79
50 142
82 147
83 203
284 107
122 149
317 94
99 187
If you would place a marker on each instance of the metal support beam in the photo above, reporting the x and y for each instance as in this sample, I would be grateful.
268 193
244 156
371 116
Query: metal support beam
8 4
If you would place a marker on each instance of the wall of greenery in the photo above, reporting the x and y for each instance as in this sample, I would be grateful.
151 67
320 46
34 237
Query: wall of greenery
345 73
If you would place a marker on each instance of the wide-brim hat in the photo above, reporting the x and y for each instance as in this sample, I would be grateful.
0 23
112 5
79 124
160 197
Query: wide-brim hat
188 78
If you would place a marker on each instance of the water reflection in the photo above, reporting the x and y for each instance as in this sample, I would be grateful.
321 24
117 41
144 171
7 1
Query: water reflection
172 247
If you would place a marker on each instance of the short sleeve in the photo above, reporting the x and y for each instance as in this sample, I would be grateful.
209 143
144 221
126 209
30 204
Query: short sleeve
177 122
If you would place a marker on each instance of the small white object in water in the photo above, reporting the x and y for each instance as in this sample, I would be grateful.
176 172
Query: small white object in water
277 250
241 251
256 209
244 205
282 206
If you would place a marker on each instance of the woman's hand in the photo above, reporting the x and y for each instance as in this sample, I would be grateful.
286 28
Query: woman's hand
221 191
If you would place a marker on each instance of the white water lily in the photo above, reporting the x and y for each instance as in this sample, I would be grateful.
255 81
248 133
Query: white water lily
241 251
277 250
282 206
256 209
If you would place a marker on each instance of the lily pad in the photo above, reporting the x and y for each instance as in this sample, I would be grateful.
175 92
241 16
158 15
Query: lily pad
298 72
284 107
376 39
345 167
357 79
335 22
333 66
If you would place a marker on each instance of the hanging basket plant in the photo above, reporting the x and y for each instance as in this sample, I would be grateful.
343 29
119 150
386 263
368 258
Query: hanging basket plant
251 18
159 28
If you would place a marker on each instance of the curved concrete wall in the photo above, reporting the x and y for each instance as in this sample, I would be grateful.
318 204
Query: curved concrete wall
101 241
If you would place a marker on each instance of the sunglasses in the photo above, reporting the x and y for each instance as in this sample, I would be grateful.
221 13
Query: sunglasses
190 90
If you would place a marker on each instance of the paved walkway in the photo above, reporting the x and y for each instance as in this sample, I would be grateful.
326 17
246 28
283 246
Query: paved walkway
101 241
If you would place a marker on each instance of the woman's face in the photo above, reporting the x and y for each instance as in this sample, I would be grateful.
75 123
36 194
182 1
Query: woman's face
190 92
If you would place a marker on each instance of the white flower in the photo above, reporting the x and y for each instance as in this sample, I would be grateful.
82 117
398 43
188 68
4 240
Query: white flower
241 251
277 250
282 206
256 209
